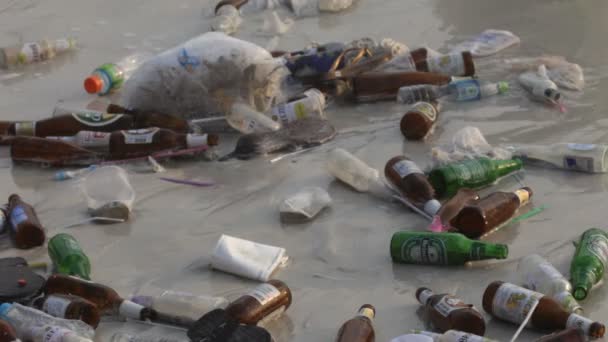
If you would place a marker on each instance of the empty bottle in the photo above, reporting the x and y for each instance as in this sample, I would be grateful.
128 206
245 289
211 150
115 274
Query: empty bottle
377 86
34 52
450 208
106 299
460 90
589 262
264 303
181 304
122 337
68 257
568 335
540 275
49 333
3 218
110 76
360 328
354 172
453 64
446 312
7 333
454 336
310 104
246 120
540 86
411 181
512 303
72 123
418 121
23 318
50 152
482 216
24 223
69 307
576 157
425 248
473 173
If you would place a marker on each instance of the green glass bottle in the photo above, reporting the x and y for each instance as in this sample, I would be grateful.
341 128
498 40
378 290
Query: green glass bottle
474 173
68 257
427 248
589 262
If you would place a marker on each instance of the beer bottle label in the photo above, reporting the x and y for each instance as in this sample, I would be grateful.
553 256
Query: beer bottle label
424 251
466 90
31 53
597 244
451 64
579 322
426 109
523 195
265 293
579 163
139 136
448 303
513 303
18 215
93 139
56 306
406 167
96 119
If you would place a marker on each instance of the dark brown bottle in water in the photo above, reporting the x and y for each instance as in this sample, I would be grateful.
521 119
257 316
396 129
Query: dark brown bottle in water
4 127
480 217
418 121
49 152
568 335
360 328
7 333
70 124
69 307
378 86
446 312
105 298
454 64
145 119
412 182
270 298
24 223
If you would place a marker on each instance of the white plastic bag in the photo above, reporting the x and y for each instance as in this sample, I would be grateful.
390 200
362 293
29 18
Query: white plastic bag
108 192
467 143
305 204
489 42
204 76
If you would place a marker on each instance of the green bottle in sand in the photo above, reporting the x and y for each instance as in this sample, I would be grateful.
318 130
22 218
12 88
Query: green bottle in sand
68 257
427 248
589 262
474 174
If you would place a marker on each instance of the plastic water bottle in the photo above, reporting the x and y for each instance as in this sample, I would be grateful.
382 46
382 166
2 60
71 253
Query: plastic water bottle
34 52
181 303
22 318
420 93
49 333
122 337
354 172
459 91
110 76
247 120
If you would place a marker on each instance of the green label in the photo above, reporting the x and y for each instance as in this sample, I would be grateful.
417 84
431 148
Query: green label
424 251
114 74
96 119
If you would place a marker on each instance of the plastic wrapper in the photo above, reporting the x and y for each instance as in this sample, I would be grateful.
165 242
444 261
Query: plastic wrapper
489 42
304 205
205 76
383 45
467 143
109 193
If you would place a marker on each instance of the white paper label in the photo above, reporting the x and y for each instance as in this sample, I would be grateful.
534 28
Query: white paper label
425 109
96 119
580 322
406 167
512 303
451 64
51 333
425 296
94 139
265 293
579 163
139 136
447 304
56 306
31 53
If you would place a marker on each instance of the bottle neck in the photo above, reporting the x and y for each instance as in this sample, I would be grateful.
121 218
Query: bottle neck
483 251
367 312
424 296
504 167
27 128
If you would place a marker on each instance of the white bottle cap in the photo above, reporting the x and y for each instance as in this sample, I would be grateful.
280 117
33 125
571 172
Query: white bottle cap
129 309
432 207
196 140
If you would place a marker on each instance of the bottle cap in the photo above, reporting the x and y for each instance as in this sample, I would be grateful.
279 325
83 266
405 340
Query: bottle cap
93 84
503 87
552 94
432 207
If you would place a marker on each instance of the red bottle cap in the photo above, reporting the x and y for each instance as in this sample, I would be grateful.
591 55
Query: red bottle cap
93 84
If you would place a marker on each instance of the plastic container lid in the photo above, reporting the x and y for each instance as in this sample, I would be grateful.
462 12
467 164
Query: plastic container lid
93 84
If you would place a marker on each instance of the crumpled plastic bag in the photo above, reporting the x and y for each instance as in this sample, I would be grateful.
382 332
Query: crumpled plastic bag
205 76
108 193
379 46
304 205
467 143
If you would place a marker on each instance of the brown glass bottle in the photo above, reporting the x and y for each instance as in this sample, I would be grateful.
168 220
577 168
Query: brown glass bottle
359 328
51 152
454 64
70 124
69 307
142 142
418 121
377 86
512 303
412 182
144 119
7 333
270 298
568 335
446 312
4 127
480 217
450 208
25 225
105 298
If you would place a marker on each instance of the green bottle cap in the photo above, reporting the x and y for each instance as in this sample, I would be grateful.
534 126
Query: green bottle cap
503 87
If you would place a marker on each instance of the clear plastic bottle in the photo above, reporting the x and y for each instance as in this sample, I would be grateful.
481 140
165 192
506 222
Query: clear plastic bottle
110 76
539 275
459 91
22 318
49 333
577 157
310 104
246 120
354 172
122 337
181 304
34 52
540 86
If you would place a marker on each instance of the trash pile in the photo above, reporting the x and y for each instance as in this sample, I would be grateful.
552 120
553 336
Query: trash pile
178 103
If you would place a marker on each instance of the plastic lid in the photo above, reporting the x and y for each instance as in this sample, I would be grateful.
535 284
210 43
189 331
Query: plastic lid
503 87
432 207
4 309
93 84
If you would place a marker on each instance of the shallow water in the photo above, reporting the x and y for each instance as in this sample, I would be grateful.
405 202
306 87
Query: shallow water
340 260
